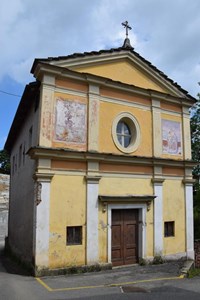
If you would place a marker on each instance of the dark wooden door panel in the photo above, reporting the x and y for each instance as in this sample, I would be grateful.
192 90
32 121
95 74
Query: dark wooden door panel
124 236
117 238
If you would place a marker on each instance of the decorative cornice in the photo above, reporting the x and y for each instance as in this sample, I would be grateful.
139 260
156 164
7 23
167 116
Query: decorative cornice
68 154
46 68
96 57
119 198
105 199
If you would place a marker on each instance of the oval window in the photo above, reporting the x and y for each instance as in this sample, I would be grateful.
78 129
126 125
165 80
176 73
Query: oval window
126 133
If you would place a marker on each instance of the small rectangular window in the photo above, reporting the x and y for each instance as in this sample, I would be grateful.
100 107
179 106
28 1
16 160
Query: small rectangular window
16 163
24 153
169 229
13 165
20 155
74 235
30 136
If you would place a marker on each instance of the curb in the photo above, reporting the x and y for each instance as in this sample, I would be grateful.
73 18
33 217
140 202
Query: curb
188 265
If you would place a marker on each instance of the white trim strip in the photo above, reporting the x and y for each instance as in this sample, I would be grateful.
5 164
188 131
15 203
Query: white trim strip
142 226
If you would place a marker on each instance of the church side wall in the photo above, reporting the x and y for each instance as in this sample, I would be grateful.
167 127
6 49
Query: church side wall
21 206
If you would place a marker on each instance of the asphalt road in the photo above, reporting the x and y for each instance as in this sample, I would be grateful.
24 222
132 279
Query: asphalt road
150 282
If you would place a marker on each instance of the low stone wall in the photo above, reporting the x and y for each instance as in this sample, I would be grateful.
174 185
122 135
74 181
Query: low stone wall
4 200
197 253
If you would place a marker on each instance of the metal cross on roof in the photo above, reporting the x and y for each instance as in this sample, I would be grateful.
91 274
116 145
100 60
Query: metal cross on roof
125 24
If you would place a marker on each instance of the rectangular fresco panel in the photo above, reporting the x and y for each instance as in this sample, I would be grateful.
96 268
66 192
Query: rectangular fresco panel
171 137
70 123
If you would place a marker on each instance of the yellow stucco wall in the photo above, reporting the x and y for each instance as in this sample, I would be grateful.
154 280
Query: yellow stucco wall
68 205
174 210
124 71
68 208
124 186
108 112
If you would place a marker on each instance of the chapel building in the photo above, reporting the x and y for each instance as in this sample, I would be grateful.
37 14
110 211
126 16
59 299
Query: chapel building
101 169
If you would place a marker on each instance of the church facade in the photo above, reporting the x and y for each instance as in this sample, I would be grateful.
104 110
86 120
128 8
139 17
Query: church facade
101 164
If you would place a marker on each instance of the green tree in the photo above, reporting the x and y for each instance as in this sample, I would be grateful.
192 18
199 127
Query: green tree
4 162
195 134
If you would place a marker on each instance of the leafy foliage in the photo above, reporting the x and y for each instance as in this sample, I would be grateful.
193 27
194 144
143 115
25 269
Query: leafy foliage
195 133
4 162
194 272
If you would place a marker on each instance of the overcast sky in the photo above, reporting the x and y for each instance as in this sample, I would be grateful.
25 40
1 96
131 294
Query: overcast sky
165 32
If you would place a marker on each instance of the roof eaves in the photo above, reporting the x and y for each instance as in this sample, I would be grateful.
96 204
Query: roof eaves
24 105
112 50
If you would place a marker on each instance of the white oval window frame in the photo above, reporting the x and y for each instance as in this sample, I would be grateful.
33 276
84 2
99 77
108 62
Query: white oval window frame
134 127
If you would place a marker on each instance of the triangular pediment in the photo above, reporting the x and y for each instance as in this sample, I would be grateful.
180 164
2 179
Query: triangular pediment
123 71
123 66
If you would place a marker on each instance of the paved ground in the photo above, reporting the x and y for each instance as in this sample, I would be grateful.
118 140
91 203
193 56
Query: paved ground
113 278
127 280
134 282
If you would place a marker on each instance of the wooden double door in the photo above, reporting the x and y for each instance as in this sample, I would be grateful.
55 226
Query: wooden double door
124 236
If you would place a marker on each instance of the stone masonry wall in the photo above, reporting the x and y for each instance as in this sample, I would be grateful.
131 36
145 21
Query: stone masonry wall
4 200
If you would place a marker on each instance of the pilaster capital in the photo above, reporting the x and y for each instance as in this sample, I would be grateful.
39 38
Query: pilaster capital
92 179
43 177
157 181
188 181
155 103
94 89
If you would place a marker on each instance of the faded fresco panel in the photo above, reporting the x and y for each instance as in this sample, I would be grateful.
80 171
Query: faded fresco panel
70 123
171 137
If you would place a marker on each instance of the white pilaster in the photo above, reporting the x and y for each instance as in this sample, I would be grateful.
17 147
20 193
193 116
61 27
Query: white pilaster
157 134
92 220
186 133
93 127
42 222
189 219
47 110
158 217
